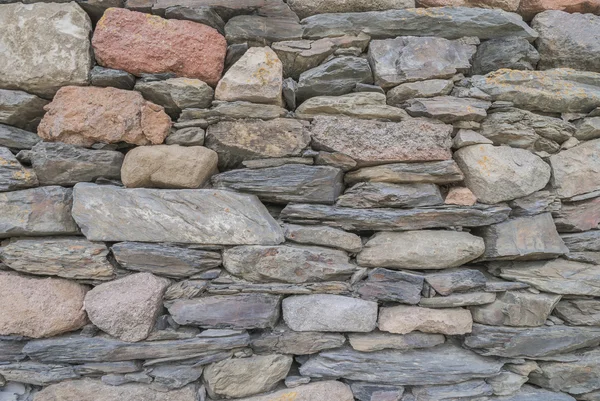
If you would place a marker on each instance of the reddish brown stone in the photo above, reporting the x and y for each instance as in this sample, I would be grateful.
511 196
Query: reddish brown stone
529 8
86 115
460 196
507 5
143 43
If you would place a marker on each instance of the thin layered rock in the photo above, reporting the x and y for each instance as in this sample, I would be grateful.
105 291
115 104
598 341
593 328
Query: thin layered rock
323 236
283 340
574 171
13 175
441 172
378 194
457 300
579 312
456 280
378 341
324 390
16 138
405 319
364 105
516 309
575 377
392 286
448 109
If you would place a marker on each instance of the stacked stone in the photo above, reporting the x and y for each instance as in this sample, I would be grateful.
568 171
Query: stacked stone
301 200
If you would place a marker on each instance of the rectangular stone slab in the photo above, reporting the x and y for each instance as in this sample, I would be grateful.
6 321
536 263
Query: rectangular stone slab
394 219
201 216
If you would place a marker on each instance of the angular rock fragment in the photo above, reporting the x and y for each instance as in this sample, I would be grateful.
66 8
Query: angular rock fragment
68 257
175 94
36 307
442 172
325 312
323 236
105 77
420 89
191 136
127 40
575 377
448 109
405 319
536 203
284 184
172 377
287 264
85 115
457 300
364 391
228 110
16 138
413 58
21 109
323 390
37 211
424 249
468 389
375 142
13 175
465 137
574 171
38 374
244 311
460 196
588 128
241 377
579 312
186 216
394 219
497 174
379 194
514 308
511 52
364 105
164 259
392 286
378 341
45 46
283 340
457 280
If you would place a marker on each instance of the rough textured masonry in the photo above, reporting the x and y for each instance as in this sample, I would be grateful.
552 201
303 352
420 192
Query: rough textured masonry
300 200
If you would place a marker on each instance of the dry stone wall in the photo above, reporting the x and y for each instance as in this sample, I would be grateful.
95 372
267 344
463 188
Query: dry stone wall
302 200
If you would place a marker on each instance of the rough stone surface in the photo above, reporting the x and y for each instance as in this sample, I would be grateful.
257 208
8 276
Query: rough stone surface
379 194
420 89
386 142
579 312
405 319
460 196
424 249
139 43
323 236
516 309
512 52
364 105
83 116
229 110
105 77
457 280
575 171
40 307
588 128
21 109
187 216
442 172
13 175
29 62
572 377
497 174
283 340
448 109
457 300
323 390
16 138
325 312
306 8
468 389
378 341
529 8
393 286
175 94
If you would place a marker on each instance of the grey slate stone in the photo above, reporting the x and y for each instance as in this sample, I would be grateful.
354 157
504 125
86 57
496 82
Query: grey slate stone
108 77
514 308
579 312
530 393
21 109
188 216
457 300
536 203
441 172
514 53
378 340
458 280
391 286
176 94
283 340
588 128
191 136
575 171
448 109
258 30
471 388
379 194
228 111
289 89
323 236
16 138
582 242
420 89
576 377
13 175
364 391
203 15
39 374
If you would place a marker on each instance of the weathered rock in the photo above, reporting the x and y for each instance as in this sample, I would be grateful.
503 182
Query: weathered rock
394 219
37 211
460 196
468 389
68 257
172 377
556 276
446 22
16 138
45 46
175 94
283 340
583 242
244 311
227 284
236 141
256 77
306 8
420 89
241 377
288 91
579 312
514 308
75 390
523 238
375 142
378 341
284 184
588 128
129 41
164 259
192 136
443 364
561 90
80 349
36 307
278 162
448 109
405 319
364 105
380 194
21 109
457 300
497 174
168 166
575 171
210 216
38 374
450 281
424 249
442 172
392 286
507 383
412 58
575 377
85 115
466 137
323 390
13 175
323 236
567 40
535 342
63 164
324 312
202 14
333 78
228 111
511 52
536 203
105 77
529 8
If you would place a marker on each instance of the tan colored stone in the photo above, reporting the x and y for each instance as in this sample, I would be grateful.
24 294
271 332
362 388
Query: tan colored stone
86 115
143 43
40 307
306 8
528 8
506 5
320 391
404 319
127 308
461 196
168 166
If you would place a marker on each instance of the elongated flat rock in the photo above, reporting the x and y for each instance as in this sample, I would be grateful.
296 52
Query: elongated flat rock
446 22
381 194
324 390
287 183
394 219
404 319
579 312
323 236
392 286
285 341
441 172
287 264
456 300
188 216
378 341
513 308
444 364
456 280
577 377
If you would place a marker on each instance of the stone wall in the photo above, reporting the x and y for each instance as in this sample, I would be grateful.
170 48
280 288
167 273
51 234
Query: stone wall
304 200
